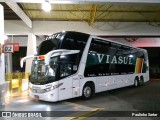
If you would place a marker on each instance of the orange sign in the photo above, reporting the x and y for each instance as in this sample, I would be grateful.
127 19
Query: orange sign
16 47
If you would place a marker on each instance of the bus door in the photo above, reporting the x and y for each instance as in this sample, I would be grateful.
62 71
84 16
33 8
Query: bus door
76 85
65 82
67 68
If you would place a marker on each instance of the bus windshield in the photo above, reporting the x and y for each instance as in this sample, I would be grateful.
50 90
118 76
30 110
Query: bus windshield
42 74
59 67
51 43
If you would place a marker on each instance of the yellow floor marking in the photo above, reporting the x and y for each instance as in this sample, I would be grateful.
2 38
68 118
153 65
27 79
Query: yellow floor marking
87 114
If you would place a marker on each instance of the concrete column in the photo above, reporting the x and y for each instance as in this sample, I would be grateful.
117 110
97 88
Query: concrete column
8 59
31 50
2 59
2 62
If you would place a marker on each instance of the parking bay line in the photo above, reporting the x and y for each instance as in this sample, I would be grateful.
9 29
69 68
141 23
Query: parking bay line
86 115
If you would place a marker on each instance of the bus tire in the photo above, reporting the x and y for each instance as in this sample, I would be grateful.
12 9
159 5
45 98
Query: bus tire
136 83
88 91
141 81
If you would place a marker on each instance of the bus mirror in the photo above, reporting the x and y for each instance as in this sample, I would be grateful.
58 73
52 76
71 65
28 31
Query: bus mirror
21 63
74 67
24 59
58 52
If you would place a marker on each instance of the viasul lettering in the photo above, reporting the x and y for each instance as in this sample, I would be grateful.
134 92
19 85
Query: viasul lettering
114 59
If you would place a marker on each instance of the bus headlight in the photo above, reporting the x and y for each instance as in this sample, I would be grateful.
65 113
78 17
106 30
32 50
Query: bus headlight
41 90
48 89
45 90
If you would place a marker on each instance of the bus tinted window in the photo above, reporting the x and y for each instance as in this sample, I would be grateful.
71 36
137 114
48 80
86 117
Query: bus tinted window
126 66
47 46
96 65
109 58
99 46
75 41
51 43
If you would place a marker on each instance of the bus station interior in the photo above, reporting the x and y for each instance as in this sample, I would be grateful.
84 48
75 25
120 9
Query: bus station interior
135 23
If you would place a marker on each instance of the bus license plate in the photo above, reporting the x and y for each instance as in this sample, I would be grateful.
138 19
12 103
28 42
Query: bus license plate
36 97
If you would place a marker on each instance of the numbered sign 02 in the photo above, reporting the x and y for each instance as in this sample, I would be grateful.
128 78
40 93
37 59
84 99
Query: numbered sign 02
8 48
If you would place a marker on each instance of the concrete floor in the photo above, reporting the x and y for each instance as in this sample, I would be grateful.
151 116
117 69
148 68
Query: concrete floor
144 98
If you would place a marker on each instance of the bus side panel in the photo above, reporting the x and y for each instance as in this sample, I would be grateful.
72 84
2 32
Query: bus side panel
65 88
111 82
129 79
106 83
120 79
101 84
146 76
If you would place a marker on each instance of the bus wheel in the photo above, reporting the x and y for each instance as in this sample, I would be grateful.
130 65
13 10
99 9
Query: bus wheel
87 91
136 83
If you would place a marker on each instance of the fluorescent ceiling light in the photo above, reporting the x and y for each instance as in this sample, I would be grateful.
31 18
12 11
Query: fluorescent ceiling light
46 6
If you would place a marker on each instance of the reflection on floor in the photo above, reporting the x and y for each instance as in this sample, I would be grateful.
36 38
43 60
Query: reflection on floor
23 103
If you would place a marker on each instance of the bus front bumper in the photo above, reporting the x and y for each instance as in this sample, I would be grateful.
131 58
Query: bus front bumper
49 96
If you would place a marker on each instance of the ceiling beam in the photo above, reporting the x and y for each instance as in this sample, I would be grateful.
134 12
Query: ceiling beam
97 20
116 11
14 6
86 1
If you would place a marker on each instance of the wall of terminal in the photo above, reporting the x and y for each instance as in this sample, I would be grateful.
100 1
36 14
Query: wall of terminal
140 42
13 27
99 29
23 40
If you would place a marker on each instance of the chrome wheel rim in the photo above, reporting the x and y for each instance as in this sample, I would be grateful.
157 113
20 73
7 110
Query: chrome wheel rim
87 91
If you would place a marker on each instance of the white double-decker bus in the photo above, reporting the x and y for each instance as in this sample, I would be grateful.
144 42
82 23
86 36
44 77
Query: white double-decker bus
72 64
